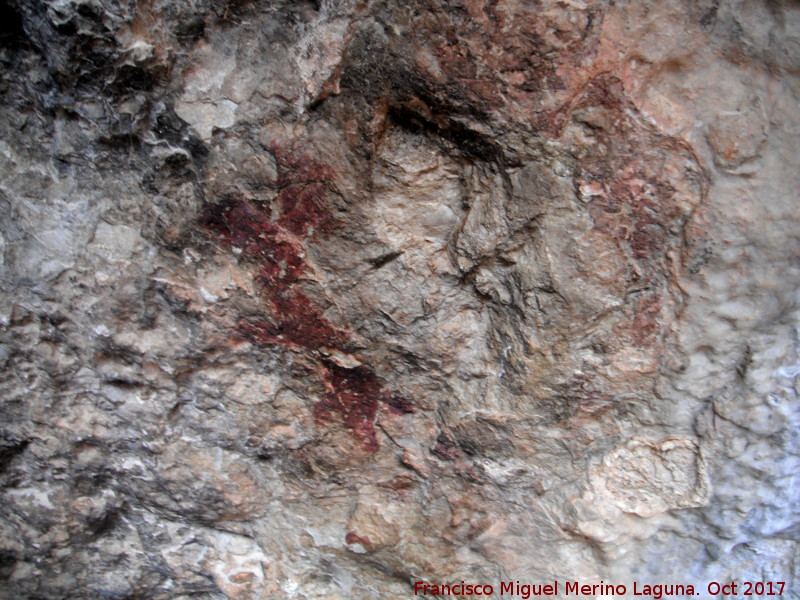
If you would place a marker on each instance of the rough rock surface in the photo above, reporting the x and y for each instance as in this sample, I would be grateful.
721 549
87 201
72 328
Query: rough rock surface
317 299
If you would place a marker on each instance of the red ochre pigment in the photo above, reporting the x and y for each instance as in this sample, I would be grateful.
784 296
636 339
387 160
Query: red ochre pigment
296 323
354 538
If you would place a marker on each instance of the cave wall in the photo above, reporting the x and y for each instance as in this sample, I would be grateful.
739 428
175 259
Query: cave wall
319 299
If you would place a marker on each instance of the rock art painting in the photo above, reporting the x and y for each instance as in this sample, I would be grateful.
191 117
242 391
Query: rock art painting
359 299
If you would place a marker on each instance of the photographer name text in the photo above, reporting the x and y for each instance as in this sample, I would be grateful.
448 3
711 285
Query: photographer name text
517 589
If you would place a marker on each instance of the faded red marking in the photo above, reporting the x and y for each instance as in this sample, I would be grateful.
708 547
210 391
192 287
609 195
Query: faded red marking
646 323
354 538
401 484
446 447
296 322
637 206
355 394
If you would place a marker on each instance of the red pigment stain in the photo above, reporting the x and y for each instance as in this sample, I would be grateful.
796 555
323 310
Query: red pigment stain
354 538
400 484
355 394
446 447
646 326
279 246
638 206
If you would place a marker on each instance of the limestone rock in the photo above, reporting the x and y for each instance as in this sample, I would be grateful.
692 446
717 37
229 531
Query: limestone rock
318 299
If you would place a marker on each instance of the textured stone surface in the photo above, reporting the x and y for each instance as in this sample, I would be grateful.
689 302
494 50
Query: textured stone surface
318 299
